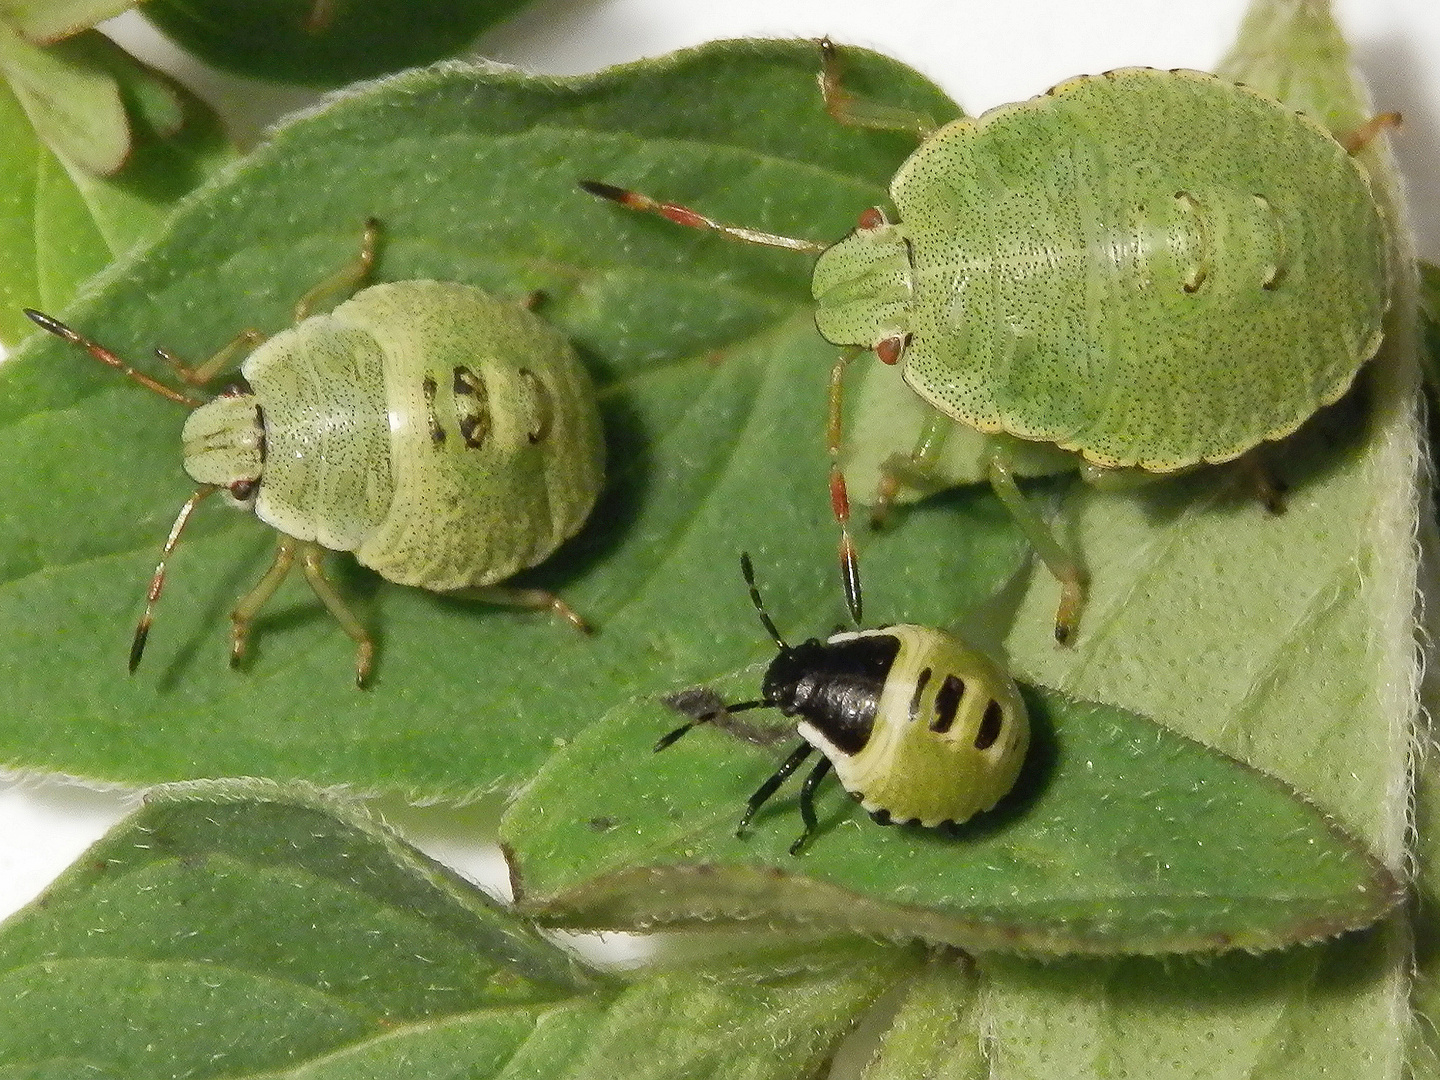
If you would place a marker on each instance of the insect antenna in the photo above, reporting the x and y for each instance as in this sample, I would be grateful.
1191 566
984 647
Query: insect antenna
683 215
142 628
748 570
105 356
705 718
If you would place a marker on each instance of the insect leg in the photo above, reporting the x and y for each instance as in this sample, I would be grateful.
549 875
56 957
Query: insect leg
320 16
202 373
531 600
1261 482
807 802
251 603
312 557
912 471
860 112
705 707
1359 138
1056 557
770 786
345 280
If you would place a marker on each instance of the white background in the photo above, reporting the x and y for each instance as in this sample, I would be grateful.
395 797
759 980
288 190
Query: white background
983 52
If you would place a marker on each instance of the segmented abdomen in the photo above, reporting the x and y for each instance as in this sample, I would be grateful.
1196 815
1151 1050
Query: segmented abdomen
1154 268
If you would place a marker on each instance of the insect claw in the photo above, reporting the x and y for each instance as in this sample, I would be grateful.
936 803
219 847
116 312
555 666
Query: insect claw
1072 599
239 636
364 658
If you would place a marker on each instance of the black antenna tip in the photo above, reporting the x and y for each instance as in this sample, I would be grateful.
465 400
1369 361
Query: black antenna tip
137 647
604 191
853 600
45 322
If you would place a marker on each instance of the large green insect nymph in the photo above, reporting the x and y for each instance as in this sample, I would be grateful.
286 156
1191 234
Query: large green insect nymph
1146 270
446 437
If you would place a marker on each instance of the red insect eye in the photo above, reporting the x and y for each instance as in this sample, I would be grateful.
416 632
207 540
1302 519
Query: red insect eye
872 218
892 348
244 489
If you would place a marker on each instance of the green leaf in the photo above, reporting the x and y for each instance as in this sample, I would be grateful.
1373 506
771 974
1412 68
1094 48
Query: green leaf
935 1032
1303 1014
1119 837
47 21
74 105
60 223
241 928
325 42
712 385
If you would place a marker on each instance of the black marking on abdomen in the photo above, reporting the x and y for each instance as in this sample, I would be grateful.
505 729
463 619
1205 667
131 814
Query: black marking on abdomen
991 725
947 703
922 681
437 433
472 407
1201 270
1272 280
544 406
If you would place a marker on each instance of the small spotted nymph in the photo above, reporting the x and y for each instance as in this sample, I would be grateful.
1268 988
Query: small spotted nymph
917 725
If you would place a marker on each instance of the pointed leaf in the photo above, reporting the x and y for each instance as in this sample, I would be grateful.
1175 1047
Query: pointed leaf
238 926
1119 837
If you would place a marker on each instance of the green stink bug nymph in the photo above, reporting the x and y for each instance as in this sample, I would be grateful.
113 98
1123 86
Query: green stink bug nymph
446 437
1148 270
918 725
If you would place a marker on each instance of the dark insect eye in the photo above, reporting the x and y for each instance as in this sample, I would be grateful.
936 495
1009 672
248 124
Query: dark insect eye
244 490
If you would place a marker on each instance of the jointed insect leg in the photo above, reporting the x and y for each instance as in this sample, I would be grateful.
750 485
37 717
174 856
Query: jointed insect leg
202 373
860 112
312 557
772 785
807 802
251 603
345 280
1057 558
1261 482
531 600
1359 138
912 470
